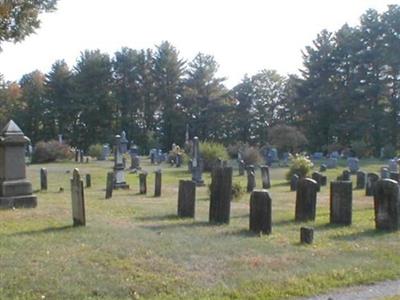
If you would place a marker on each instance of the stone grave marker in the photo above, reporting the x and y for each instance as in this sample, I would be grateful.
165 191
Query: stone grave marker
119 175
157 183
105 152
361 180
394 176
15 189
372 178
265 178
385 173
346 175
353 164
251 178
387 205
322 168
331 163
260 212
241 167
109 184
43 179
221 195
341 202
186 199
88 180
306 200
143 183
197 163
293 182
393 166
78 199
306 235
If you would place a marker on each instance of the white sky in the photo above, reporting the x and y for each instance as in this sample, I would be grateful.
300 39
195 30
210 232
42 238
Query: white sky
245 36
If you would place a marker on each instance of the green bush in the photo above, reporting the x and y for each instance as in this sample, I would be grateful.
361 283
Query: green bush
360 148
389 151
211 152
51 151
300 165
251 156
95 151
237 191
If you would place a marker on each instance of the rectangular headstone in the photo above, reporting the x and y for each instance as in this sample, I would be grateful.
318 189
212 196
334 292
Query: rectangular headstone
157 183
221 195
372 178
306 200
78 199
266 181
186 199
260 212
109 184
361 180
387 204
341 202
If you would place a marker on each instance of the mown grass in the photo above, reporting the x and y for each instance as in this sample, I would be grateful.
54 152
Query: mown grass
134 246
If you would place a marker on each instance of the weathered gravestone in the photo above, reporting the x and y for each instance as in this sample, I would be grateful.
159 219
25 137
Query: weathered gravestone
306 200
306 235
197 163
221 195
387 204
105 152
265 179
341 202
346 175
385 173
15 189
143 183
88 180
178 158
372 178
320 179
331 163
260 212
78 199
352 163
109 184
394 176
157 183
43 179
251 178
293 182
81 156
77 155
241 167
361 180
119 175
322 168
393 166
186 199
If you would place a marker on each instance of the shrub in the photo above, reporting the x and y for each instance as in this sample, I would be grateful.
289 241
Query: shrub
251 156
389 151
51 151
233 149
95 151
211 152
286 138
360 148
237 190
300 165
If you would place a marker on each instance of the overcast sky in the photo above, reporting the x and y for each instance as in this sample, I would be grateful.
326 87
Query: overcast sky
245 36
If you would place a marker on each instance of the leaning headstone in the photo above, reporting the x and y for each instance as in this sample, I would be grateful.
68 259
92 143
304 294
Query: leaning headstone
109 184
306 235
119 175
241 167
387 205
186 199
331 163
251 178
197 163
157 183
341 202
293 182
352 163
361 180
266 181
143 183
394 176
221 195
78 199
260 212
306 200
88 180
43 179
385 173
393 166
372 178
15 189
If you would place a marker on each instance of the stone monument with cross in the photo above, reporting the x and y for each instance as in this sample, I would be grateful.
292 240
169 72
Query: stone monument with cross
15 189
197 163
120 148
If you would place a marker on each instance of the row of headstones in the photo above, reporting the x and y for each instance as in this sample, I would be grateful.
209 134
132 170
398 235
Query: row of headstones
43 180
251 178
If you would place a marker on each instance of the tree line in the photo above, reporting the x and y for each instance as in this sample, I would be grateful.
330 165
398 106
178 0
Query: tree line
346 95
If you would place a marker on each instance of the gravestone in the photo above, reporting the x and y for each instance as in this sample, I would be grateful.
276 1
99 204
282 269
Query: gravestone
260 212
387 205
109 184
265 179
157 183
105 152
331 163
143 183
361 180
394 176
385 173
335 155
322 168
135 162
43 179
178 158
317 156
251 178
153 153
119 175
317 178
372 178
341 202
197 163
81 156
186 199
293 182
353 164
88 180
15 189
78 199
221 195
306 235
306 200
393 166
241 167
346 175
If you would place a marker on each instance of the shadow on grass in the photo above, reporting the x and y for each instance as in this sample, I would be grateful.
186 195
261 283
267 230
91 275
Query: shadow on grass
283 222
281 184
168 226
44 230
362 234
246 233
158 218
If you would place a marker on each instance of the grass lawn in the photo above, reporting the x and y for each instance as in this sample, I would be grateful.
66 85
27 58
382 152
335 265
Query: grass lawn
134 246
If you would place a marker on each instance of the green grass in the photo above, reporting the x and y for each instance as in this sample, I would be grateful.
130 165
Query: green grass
134 246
